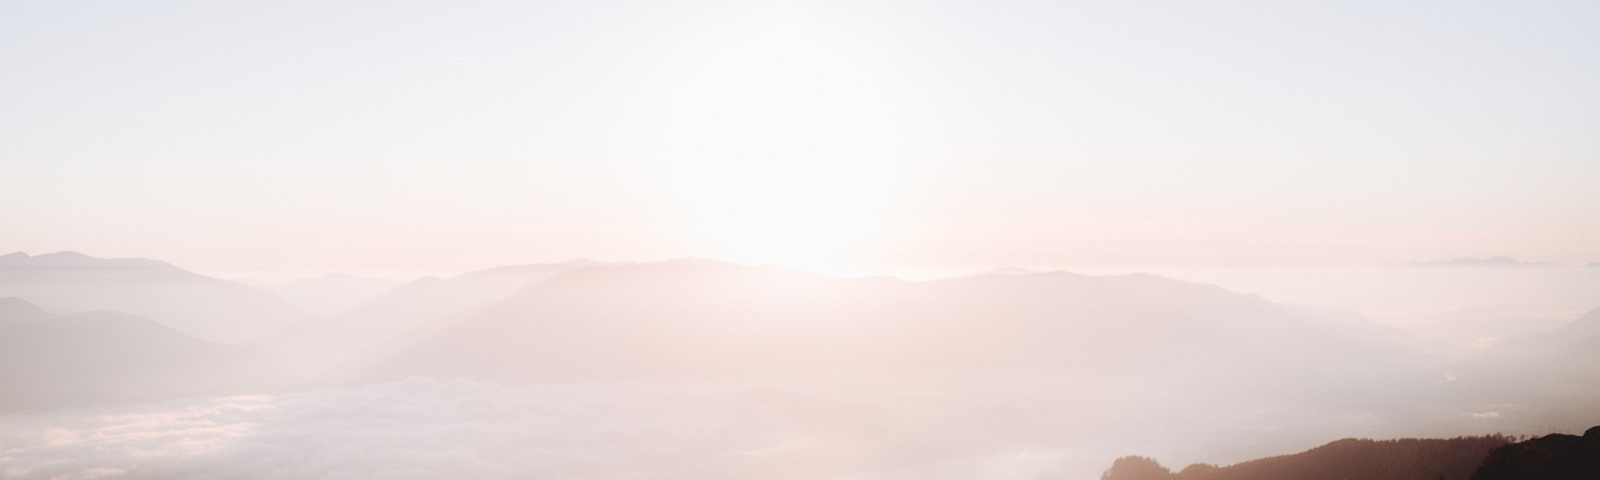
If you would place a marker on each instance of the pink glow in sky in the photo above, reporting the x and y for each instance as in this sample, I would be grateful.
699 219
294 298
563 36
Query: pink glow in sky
834 136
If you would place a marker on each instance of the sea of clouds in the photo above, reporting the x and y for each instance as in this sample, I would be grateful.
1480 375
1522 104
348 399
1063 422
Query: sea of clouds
419 428
425 429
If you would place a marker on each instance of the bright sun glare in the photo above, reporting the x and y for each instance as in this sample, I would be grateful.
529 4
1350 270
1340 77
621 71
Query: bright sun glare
783 143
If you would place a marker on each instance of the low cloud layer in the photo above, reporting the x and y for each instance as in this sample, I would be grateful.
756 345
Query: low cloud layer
656 371
425 429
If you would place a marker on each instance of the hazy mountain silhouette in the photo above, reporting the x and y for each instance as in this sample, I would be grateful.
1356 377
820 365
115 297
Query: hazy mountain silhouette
424 299
1562 386
331 295
51 361
1008 357
1551 457
709 319
1403 459
1553 376
407 310
1537 362
1548 343
200 306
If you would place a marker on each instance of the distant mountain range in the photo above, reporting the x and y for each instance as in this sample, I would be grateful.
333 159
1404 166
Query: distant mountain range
413 309
698 319
51 361
419 301
706 319
356 313
1549 377
330 295
204 307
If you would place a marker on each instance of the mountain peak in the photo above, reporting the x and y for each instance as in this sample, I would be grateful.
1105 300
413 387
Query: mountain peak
14 310
65 255
13 304
68 258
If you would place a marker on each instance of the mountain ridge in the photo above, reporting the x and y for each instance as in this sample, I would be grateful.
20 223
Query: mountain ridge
755 315
89 358
1349 458
204 307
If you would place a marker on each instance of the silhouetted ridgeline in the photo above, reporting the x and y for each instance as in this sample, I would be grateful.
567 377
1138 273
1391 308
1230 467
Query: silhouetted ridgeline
1403 459
1551 457
93 358
202 307
702 319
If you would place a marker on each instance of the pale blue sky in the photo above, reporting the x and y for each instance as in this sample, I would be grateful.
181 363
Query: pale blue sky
340 135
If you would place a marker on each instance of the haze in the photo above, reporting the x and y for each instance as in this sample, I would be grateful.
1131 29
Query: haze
893 136
786 239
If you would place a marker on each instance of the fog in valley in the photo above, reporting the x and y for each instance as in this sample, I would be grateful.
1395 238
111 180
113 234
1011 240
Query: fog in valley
693 368
798 239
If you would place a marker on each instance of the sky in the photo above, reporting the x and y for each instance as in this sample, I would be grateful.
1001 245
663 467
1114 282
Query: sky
860 136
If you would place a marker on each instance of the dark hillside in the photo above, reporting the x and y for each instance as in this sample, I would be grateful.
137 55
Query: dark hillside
1551 457
1348 459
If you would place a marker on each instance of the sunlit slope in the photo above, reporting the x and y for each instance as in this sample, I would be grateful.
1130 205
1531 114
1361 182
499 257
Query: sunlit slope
333 294
701 319
411 309
200 306
52 361
419 301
